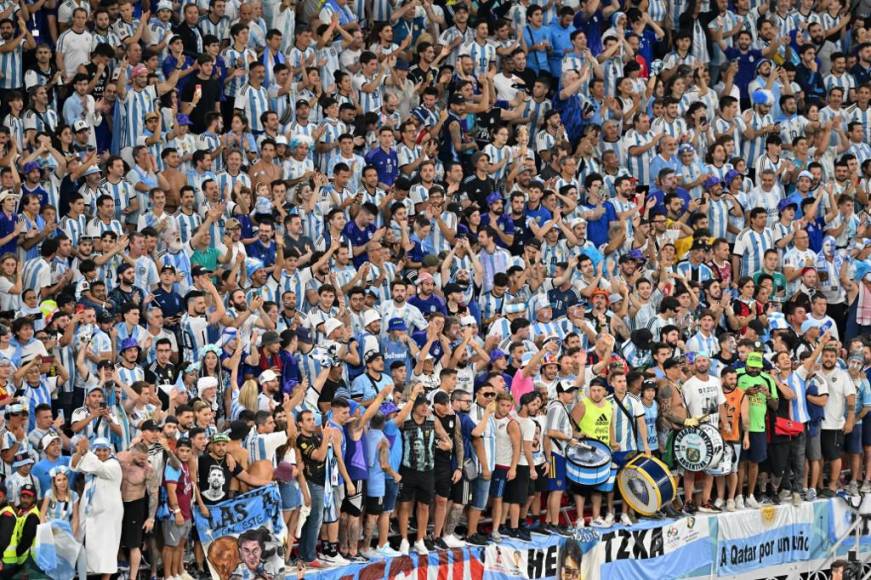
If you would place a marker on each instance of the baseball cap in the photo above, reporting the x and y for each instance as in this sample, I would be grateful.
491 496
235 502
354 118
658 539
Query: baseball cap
149 425
396 324
27 488
784 204
220 438
266 376
80 125
754 360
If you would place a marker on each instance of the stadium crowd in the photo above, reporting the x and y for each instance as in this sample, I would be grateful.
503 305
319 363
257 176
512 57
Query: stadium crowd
402 258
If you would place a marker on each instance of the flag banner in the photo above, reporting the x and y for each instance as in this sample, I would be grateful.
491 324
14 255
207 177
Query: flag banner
244 537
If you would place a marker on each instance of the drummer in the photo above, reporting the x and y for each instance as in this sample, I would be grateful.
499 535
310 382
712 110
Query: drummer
594 417
560 432
705 403
629 427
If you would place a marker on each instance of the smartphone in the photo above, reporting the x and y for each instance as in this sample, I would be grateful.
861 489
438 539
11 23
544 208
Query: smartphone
691 357
62 416
47 360
103 405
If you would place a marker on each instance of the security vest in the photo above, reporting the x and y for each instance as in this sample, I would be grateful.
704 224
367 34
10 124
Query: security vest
596 422
10 555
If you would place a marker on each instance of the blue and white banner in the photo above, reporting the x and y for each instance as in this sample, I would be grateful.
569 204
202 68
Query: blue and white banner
544 558
772 535
244 537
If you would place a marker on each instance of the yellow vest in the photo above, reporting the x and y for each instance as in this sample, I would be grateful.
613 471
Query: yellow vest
596 422
10 555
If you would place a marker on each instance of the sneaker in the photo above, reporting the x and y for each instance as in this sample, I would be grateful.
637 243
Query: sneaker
730 505
440 544
752 503
739 502
598 523
690 508
452 541
718 503
497 537
563 531
625 520
811 494
580 524
387 552
827 493
523 535
796 499
866 487
503 529
508 532
186 576
709 508
853 488
477 539
670 512
609 520
550 529
369 554
335 559
420 548
358 559
404 547
430 545
316 565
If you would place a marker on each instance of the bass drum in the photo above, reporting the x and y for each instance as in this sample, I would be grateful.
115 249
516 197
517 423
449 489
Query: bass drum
698 448
588 463
646 484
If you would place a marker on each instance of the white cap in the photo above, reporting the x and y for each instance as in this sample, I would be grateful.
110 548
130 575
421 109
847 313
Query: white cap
370 316
204 383
266 376
48 439
164 5
80 125
331 324
468 321
7 193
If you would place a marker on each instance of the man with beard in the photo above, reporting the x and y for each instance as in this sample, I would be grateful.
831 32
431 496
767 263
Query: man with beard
703 396
840 414
125 292
216 470
398 307
199 329
761 389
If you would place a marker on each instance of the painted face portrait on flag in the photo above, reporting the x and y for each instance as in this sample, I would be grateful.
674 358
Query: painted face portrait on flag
570 561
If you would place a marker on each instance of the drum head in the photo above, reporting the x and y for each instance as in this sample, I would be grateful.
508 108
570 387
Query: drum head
637 491
589 454
696 450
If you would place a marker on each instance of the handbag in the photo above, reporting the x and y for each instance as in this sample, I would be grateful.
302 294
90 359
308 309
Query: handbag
787 427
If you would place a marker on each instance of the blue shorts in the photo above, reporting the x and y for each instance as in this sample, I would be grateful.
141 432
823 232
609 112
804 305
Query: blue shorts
391 491
866 432
621 458
480 493
758 451
497 482
556 473
853 441
291 498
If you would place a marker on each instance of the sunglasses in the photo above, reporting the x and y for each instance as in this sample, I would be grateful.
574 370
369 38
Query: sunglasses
488 395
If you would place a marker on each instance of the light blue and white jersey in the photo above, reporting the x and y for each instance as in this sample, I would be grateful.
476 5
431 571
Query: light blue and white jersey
855 114
40 122
371 101
843 81
254 101
237 59
483 56
13 68
755 147
227 183
496 155
130 376
658 11
718 216
704 344
674 128
187 225
639 165
797 381
690 173
332 130
219 29
734 130
751 246
122 192
685 268
36 274
135 105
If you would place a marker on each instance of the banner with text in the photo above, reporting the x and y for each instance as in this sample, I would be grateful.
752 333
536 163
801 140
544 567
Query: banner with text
674 549
457 564
544 558
244 537
754 539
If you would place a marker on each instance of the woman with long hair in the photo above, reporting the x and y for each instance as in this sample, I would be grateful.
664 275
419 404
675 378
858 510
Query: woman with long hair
60 502
240 137
210 366
10 279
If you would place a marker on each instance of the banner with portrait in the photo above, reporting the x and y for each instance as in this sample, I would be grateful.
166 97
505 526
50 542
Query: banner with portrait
244 537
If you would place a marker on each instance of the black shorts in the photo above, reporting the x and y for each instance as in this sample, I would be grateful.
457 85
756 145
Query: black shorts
461 492
517 490
540 484
353 504
416 486
442 476
832 443
374 505
135 514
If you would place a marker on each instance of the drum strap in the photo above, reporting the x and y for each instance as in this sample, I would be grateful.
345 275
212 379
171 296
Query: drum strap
628 416
560 444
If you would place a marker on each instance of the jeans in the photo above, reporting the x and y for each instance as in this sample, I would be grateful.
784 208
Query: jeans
308 540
